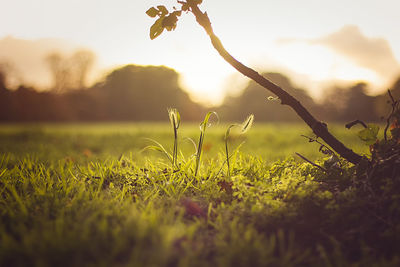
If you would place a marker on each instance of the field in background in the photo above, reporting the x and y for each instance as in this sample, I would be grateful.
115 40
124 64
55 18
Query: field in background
91 142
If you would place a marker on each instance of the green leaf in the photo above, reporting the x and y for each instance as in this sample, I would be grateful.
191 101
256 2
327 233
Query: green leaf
158 147
205 122
156 29
370 134
152 12
163 10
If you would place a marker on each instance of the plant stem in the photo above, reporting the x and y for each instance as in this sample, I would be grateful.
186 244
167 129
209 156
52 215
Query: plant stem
198 154
175 152
394 105
319 128
228 172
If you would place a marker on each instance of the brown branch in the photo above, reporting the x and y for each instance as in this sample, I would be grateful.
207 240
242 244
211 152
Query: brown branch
317 127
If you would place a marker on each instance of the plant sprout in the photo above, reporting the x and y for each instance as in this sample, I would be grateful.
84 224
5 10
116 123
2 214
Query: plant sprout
203 126
175 119
244 127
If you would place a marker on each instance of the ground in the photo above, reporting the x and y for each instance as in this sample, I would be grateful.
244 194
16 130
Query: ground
91 195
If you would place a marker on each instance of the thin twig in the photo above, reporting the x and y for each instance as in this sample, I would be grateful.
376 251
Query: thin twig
312 163
351 124
394 104
310 139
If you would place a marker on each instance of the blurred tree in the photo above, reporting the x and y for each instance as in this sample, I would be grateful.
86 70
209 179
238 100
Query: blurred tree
70 72
60 72
334 101
255 101
24 104
381 105
360 106
144 93
2 81
347 104
81 62
4 97
128 93
11 72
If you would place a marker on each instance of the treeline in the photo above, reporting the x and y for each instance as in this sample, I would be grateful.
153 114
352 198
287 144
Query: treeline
338 104
143 93
130 93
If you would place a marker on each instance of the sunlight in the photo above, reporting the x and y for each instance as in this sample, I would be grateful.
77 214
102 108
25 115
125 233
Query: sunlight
203 86
204 78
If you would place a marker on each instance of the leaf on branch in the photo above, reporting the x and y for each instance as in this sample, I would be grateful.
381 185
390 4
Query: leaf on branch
185 7
272 98
177 13
152 12
370 134
169 22
157 28
163 10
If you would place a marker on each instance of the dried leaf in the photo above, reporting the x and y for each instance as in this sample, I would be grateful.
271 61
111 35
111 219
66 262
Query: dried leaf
192 209
226 186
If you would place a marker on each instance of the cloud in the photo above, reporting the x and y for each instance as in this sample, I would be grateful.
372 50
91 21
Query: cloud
370 53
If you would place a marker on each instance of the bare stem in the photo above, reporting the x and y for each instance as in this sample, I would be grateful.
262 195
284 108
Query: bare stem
317 127
394 105
312 163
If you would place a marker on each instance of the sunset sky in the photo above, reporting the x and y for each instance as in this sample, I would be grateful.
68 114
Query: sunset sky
316 43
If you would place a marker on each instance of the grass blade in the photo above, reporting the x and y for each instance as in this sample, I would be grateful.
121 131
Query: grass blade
244 127
175 119
203 126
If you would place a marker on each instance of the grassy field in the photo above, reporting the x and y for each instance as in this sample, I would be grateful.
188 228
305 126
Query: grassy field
88 142
89 195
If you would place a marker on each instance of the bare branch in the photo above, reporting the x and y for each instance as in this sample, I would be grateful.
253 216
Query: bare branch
319 128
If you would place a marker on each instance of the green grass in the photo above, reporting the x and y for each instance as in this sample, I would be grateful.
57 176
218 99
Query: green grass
83 142
87 195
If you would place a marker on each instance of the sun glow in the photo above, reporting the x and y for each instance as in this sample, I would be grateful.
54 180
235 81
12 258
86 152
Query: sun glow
204 77
118 32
